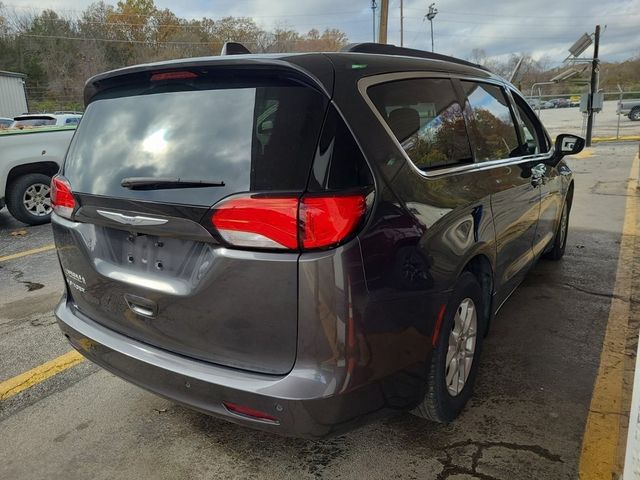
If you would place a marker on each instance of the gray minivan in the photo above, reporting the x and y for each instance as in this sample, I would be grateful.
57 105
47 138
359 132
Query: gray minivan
308 239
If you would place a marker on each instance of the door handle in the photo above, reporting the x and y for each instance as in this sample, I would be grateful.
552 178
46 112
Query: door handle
141 306
537 174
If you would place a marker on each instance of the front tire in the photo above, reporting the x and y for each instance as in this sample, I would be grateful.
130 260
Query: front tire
29 199
560 240
454 362
635 114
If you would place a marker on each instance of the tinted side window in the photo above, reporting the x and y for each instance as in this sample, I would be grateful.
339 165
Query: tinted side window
426 118
532 134
339 163
491 122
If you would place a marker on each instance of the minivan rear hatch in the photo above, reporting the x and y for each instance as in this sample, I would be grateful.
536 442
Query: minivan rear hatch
149 160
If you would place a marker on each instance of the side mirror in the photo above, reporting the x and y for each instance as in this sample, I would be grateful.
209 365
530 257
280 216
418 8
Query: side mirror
567 144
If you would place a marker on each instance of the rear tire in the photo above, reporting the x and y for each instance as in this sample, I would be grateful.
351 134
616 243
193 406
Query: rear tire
560 240
447 394
634 114
28 198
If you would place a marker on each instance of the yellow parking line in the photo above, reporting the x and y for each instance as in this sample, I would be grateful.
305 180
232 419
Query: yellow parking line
601 442
615 139
21 382
586 153
26 253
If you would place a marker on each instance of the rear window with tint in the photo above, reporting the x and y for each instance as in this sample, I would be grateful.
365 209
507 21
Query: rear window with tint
253 136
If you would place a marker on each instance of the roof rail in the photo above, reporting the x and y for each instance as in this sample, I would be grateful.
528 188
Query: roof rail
387 49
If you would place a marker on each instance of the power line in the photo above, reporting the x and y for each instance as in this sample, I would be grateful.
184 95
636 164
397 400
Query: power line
154 42
471 35
537 26
497 15
155 25
114 12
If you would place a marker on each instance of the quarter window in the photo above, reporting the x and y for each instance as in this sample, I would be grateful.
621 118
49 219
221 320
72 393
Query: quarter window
426 118
532 133
491 122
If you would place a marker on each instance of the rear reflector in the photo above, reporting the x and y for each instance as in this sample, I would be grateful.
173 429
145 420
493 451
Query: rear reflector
249 412
288 222
182 75
62 200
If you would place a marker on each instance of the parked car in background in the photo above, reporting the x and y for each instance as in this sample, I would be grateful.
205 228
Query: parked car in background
561 102
557 103
630 108
535 103
46 120
377 206
5 122
574 101
28 160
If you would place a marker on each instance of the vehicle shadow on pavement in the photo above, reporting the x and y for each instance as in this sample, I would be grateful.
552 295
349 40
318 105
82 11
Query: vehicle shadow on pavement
526 418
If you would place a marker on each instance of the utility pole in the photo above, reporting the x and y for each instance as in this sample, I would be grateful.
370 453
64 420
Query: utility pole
374 5
384 16
594 84
431 14
401 23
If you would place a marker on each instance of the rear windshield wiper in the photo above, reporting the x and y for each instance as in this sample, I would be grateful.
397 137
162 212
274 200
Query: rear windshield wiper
152 183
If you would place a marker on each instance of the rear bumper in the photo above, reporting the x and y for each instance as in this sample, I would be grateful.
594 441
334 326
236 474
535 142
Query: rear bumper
306 401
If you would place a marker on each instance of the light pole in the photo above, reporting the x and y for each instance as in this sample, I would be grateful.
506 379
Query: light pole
374 5
431 14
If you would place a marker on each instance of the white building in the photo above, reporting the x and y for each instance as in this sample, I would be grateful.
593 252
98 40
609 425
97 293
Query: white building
13 97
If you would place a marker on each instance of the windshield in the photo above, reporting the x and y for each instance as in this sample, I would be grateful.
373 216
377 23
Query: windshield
251 137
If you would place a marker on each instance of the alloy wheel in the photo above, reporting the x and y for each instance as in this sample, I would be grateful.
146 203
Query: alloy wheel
37 199
563 226
462 346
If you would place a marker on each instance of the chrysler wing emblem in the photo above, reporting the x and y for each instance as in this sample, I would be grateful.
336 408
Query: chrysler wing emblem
132 219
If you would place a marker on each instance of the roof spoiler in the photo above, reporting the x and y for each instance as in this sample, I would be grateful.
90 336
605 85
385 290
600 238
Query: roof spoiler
234 48
388 49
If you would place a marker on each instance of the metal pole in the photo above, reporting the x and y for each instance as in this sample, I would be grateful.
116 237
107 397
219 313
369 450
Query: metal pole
594 85
619 102
401 23
384 16
431 22
430 16
539 100
373 16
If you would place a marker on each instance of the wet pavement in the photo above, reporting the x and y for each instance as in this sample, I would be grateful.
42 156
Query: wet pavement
525 421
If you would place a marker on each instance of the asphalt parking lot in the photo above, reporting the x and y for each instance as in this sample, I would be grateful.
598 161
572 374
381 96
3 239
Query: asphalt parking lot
526 420
570 120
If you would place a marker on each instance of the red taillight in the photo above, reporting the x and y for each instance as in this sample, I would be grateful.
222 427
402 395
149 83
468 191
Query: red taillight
182 75
249 412
326 221
278 222
258 222
62 200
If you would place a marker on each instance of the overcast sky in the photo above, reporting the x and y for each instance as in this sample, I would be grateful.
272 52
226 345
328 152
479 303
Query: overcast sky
540 27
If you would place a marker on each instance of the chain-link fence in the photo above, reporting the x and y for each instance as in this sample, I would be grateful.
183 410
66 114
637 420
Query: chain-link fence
562 114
